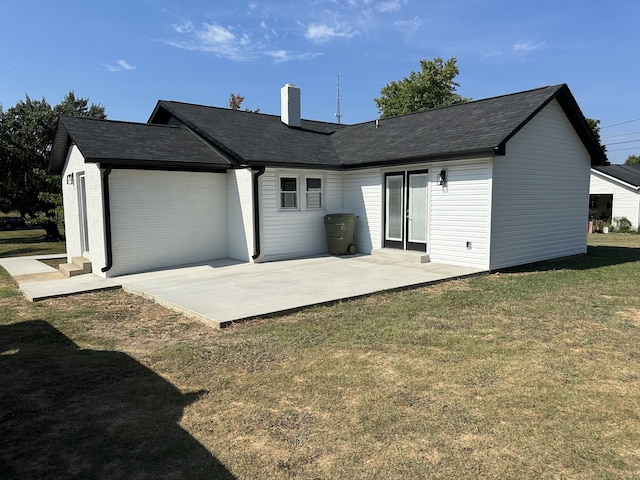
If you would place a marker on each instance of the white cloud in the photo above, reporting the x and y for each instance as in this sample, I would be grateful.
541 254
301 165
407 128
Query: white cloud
283 56
389 6
321 32
213 38
119 66
527 46
409 27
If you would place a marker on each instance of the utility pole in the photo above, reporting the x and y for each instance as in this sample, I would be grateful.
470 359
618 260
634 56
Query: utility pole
338 115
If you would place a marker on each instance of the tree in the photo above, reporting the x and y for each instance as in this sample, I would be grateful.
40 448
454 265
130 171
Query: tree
235 102
594 125
27 131
632 160
430 88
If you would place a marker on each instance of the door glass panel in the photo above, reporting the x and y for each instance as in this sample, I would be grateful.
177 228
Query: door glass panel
82 208
418 207
395 215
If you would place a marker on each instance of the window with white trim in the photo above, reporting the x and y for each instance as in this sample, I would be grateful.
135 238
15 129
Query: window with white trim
314 192
289 193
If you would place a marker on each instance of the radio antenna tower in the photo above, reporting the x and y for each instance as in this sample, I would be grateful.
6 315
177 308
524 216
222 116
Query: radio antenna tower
338 115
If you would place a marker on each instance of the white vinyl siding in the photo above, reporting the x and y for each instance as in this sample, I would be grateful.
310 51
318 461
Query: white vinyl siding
363 197
626 200
162 219
296 232
240 214
74 165
540 193
459 214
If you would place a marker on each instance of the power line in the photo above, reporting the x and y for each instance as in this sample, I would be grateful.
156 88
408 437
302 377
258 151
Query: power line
621 135
626 141
622 149
621 123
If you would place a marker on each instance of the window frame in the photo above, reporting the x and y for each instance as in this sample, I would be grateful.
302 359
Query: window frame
282 192
319 191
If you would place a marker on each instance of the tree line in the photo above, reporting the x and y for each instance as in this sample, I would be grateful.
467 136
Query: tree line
27 131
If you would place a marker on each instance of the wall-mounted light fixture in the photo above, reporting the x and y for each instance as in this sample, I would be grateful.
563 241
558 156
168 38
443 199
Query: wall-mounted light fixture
70 179
442 178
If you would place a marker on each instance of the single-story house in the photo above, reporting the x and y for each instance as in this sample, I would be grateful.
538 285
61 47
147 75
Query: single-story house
488 184
614 193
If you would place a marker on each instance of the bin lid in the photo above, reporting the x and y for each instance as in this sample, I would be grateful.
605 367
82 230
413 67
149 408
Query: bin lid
340 216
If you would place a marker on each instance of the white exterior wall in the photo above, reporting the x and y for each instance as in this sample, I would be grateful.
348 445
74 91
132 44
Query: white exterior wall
93 181
459 223
626 200
240 214
363 197
295 233
540 193
161 219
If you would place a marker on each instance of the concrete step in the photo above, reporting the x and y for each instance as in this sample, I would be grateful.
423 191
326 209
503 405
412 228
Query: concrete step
397 255
78 266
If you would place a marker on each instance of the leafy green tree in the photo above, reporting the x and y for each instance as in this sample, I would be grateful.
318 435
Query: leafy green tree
594 125
632 160
27 131
432 87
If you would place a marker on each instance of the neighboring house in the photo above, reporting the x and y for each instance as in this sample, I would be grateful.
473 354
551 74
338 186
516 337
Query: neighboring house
615 193
488 184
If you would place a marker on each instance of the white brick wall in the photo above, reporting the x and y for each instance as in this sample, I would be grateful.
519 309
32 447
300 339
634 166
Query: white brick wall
162 219
75 165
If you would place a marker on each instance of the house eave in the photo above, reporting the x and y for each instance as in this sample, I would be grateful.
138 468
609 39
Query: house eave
127 164
615 180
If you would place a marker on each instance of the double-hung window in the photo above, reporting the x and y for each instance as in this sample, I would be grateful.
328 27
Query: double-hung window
314 192
289 193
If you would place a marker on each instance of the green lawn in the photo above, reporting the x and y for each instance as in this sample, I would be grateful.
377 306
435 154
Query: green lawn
31 241
527 373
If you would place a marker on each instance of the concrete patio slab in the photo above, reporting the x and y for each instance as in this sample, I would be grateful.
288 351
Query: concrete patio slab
225 291
220 293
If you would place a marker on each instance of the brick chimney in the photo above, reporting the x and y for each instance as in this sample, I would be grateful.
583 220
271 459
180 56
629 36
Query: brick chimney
290 105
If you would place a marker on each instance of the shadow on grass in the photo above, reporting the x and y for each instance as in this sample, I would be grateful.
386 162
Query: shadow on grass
72 413
33 235
596 257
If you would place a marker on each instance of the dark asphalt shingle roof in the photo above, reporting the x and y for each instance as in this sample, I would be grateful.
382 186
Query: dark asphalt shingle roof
256 138
479 127
182 135
629 174
134 145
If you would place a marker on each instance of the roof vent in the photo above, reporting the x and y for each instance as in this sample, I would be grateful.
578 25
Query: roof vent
290 105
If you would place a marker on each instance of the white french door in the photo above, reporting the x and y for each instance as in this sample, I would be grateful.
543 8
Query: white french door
405 219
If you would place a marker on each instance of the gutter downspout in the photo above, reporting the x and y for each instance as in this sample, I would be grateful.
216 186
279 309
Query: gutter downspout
256 211
106 211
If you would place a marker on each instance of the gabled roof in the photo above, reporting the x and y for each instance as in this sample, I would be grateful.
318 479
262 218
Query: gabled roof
474 128
254 138
134 145
481 127
187 136
629 174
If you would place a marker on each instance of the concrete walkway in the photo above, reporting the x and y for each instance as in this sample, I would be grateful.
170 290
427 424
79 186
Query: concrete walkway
225 291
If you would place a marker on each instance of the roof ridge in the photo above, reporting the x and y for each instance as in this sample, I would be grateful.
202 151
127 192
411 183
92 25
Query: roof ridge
126 122
227 109
553 87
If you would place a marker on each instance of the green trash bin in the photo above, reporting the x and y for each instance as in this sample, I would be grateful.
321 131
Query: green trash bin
340 228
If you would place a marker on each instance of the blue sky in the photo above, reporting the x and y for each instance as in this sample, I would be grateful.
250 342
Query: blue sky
127 54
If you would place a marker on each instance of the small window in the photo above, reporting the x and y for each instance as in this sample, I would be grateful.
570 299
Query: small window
288 193
314 193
